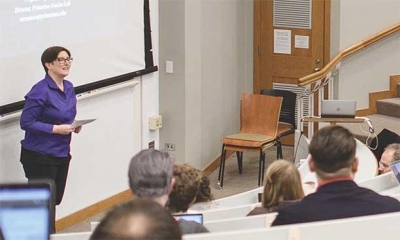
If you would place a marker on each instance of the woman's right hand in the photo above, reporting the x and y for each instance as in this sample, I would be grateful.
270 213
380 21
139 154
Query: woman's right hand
64 129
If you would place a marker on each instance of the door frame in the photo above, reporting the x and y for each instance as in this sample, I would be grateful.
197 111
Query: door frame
257 40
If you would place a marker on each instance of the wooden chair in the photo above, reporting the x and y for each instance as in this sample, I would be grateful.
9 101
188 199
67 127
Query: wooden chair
259 116
287 116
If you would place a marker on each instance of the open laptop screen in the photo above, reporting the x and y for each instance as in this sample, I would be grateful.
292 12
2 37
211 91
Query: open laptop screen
338 108
196 217
395 167
25 211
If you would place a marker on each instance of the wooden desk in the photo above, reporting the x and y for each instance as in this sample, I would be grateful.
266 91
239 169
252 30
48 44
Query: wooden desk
333 121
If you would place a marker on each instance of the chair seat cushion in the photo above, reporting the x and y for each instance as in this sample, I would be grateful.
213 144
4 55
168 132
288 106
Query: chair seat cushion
247 139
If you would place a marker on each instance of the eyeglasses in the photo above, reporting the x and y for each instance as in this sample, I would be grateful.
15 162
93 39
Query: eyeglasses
63 60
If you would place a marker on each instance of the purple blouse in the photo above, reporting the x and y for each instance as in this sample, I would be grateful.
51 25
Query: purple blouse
46 105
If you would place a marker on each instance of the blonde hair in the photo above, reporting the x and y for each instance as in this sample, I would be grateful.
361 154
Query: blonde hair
282 182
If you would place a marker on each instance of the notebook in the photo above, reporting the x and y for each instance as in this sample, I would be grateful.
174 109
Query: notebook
25 210
338 108
395 167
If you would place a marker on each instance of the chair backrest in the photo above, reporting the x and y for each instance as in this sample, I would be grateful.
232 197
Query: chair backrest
228 213
71 236
380 183
240 199
241 223
259 114
382 226
287 114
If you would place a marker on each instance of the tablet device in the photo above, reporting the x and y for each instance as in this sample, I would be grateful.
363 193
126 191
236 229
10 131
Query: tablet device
196 217
25 211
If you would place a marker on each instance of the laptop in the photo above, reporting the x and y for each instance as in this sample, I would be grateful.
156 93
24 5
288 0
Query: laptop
196 217
25 210
338 108
395 167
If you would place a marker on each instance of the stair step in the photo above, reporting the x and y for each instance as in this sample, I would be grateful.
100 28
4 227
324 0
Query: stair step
390 107
379 122
398 90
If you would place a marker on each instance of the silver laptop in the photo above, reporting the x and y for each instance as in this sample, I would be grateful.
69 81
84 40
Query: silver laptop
338 108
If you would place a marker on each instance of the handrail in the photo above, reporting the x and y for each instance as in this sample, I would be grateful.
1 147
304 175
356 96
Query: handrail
314 77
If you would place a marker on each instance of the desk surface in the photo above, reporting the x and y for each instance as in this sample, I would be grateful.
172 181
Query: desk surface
367 167
331 120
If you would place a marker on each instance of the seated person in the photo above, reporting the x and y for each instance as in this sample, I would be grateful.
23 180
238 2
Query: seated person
204 194
389 155
333 159
151 176
184 192
137 219
282 187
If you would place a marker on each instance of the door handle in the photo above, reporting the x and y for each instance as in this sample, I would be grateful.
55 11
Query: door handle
317 69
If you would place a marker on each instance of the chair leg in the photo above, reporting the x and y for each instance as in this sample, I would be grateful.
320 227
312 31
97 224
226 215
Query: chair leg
221 163
239 156
259 168
279 154
223 169
263 169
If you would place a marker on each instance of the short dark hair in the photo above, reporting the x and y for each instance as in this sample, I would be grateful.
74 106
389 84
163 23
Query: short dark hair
50 54
150 173
332 148
138 219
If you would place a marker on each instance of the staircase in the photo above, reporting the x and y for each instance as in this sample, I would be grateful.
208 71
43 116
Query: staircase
387 116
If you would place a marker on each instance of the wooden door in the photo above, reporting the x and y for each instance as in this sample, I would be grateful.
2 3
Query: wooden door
291 40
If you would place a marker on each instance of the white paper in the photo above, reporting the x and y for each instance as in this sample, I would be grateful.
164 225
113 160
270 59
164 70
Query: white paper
301 41
78 123
282 41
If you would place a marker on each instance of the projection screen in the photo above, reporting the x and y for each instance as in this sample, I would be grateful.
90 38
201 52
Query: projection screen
106 39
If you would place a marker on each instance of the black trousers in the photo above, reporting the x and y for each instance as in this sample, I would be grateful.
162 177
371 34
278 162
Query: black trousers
38 166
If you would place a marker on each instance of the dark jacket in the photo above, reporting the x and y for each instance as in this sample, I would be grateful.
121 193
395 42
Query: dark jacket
340 199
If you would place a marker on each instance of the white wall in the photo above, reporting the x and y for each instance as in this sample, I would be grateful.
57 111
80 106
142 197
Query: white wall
369 69
210 43
96 172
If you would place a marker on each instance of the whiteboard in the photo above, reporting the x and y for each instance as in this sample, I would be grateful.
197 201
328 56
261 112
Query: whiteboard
100 152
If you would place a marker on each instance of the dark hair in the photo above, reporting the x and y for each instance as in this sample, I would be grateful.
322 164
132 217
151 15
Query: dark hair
150 173
187 180
332 148
138 219
204 193
50 54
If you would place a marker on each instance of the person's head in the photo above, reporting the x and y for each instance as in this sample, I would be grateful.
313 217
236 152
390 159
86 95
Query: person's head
56 60
332 151
204 193
151 174
184 192
391 154
138 219
282 182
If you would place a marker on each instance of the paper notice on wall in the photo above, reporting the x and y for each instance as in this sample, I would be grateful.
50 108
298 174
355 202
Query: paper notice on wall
301 41
282 41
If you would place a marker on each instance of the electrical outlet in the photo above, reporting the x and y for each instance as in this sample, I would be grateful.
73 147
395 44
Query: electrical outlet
170 147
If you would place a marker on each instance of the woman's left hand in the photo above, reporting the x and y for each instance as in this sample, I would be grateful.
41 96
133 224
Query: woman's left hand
78 129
